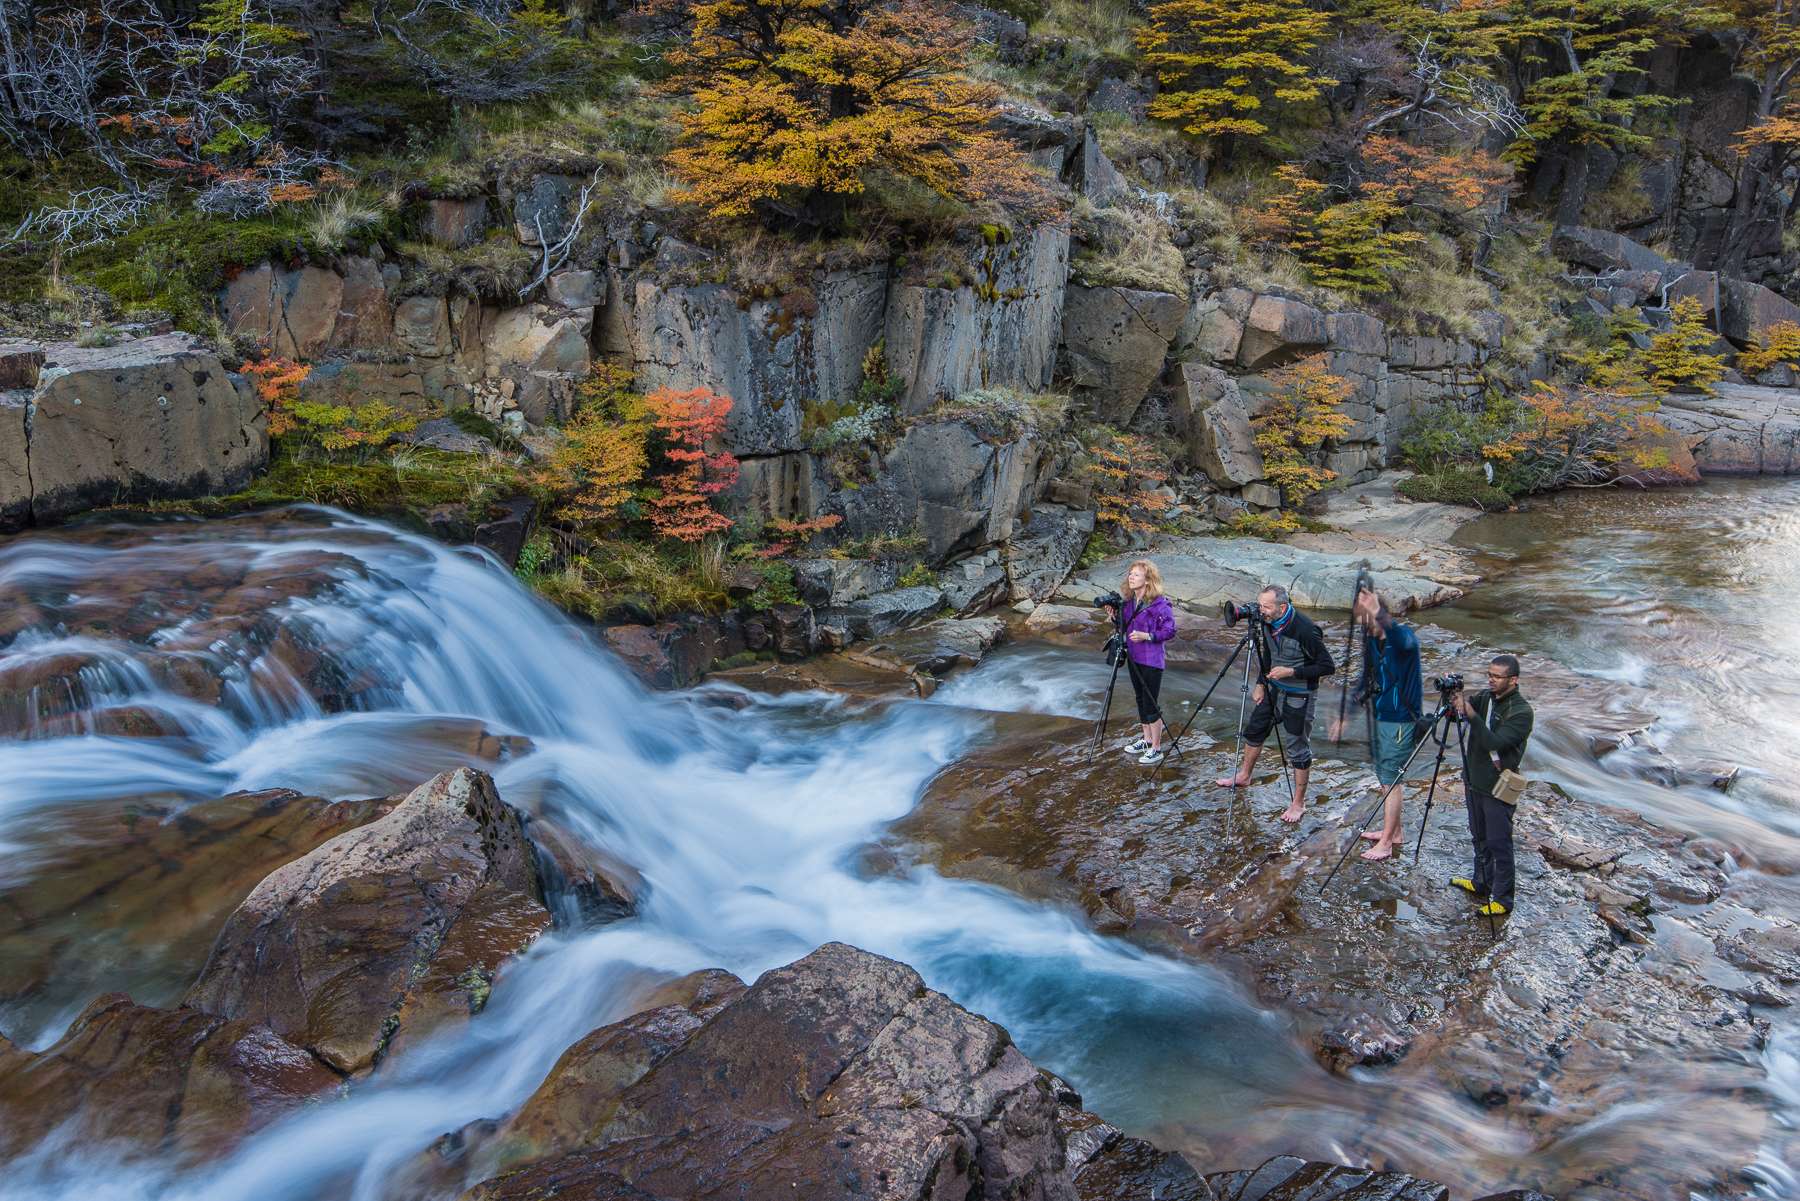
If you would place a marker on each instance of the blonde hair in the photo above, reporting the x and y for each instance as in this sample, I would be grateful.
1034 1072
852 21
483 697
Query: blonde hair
1152 580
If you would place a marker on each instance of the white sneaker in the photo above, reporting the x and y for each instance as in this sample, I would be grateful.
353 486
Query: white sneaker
1151 756
1137 747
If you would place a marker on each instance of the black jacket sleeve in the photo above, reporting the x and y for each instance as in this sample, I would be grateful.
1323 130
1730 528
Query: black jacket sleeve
1507 735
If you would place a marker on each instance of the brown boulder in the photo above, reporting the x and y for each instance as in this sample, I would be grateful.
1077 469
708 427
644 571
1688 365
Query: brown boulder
159 1080
1279 330
456 223
839 1073
385 932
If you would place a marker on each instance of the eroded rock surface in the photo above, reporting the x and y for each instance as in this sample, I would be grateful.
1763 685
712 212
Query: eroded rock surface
1607 960
387 931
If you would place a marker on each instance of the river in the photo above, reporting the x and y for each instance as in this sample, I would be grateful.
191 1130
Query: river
748 816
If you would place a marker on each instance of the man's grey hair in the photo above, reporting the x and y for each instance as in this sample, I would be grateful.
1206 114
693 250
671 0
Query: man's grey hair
1280 593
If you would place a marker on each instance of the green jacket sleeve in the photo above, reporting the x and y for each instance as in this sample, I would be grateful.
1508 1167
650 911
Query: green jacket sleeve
1507 735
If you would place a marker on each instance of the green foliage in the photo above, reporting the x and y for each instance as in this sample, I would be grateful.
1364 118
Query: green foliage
776 588
404 485
176 264
600 577
918 576
885 548
1456 485
1270 527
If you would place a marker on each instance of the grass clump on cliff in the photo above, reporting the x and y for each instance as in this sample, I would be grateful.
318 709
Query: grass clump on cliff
604 580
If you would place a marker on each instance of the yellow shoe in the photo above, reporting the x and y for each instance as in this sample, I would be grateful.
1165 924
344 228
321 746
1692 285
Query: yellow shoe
1493 909
1467 886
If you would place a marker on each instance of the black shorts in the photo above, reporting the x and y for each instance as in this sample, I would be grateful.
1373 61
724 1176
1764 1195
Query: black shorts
1296 719
1146 684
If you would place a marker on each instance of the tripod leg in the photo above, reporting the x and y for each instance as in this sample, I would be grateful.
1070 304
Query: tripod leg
1105 712
1175 742
1380 803
1443 741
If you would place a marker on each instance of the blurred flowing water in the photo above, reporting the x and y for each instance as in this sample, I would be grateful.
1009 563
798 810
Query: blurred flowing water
343 649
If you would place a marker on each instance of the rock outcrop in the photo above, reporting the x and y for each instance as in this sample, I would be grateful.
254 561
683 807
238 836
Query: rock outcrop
1740 430
144 419
1392 969
837 1074
385 932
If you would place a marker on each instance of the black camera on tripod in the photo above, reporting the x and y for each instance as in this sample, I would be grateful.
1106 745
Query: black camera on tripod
1234 613
1110 600
1447 686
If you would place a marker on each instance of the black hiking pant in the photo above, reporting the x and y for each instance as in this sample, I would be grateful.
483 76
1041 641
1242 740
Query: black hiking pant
1490 826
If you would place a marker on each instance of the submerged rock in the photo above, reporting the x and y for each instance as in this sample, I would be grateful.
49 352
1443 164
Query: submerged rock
169 1081
385 932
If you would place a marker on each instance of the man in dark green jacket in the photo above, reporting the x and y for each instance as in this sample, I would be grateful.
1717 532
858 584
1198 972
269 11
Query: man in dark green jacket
1498 722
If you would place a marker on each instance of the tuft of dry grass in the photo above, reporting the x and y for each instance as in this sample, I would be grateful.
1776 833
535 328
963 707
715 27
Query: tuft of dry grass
1128 246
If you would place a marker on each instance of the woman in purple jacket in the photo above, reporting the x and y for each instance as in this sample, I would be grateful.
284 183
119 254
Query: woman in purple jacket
1148 622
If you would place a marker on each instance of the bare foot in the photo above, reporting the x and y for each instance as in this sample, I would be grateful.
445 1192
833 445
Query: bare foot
1372 835
1378 851
1291 814
1232 782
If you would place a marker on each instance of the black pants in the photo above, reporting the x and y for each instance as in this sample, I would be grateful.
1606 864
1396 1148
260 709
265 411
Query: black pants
1490 826
1146 685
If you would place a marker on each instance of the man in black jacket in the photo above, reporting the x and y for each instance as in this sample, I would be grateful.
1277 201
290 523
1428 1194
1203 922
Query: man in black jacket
1499 725
1296 661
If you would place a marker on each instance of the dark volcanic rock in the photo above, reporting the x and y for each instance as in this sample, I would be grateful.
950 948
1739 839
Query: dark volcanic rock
385 932
1286 1178
834 1076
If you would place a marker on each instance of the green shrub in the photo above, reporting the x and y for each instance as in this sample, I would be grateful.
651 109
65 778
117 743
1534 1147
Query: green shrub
918 576
1456 486
777 587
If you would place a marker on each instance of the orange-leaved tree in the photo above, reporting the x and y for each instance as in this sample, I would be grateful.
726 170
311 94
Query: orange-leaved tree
798 104
1566 436
277 383
1307 410
1124 470
685 423
1343 244
1225 64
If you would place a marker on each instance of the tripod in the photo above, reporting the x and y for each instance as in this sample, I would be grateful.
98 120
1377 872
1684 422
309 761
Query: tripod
1437 732
1253 637
1121 654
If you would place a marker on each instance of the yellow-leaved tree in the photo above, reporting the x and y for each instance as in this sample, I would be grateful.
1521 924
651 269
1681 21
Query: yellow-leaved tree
1224 64
798 104
1307 410
603 455
1680 357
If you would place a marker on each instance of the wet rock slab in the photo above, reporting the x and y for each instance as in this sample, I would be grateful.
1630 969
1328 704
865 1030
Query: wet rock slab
1604 986
131 896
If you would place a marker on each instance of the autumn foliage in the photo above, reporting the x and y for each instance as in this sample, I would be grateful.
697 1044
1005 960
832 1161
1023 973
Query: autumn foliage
604 452
1564 436
685 423
1124 470
1307 410
1779 346
1224 63
798 104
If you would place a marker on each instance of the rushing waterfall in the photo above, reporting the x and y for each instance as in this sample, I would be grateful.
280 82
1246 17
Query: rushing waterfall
744 815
